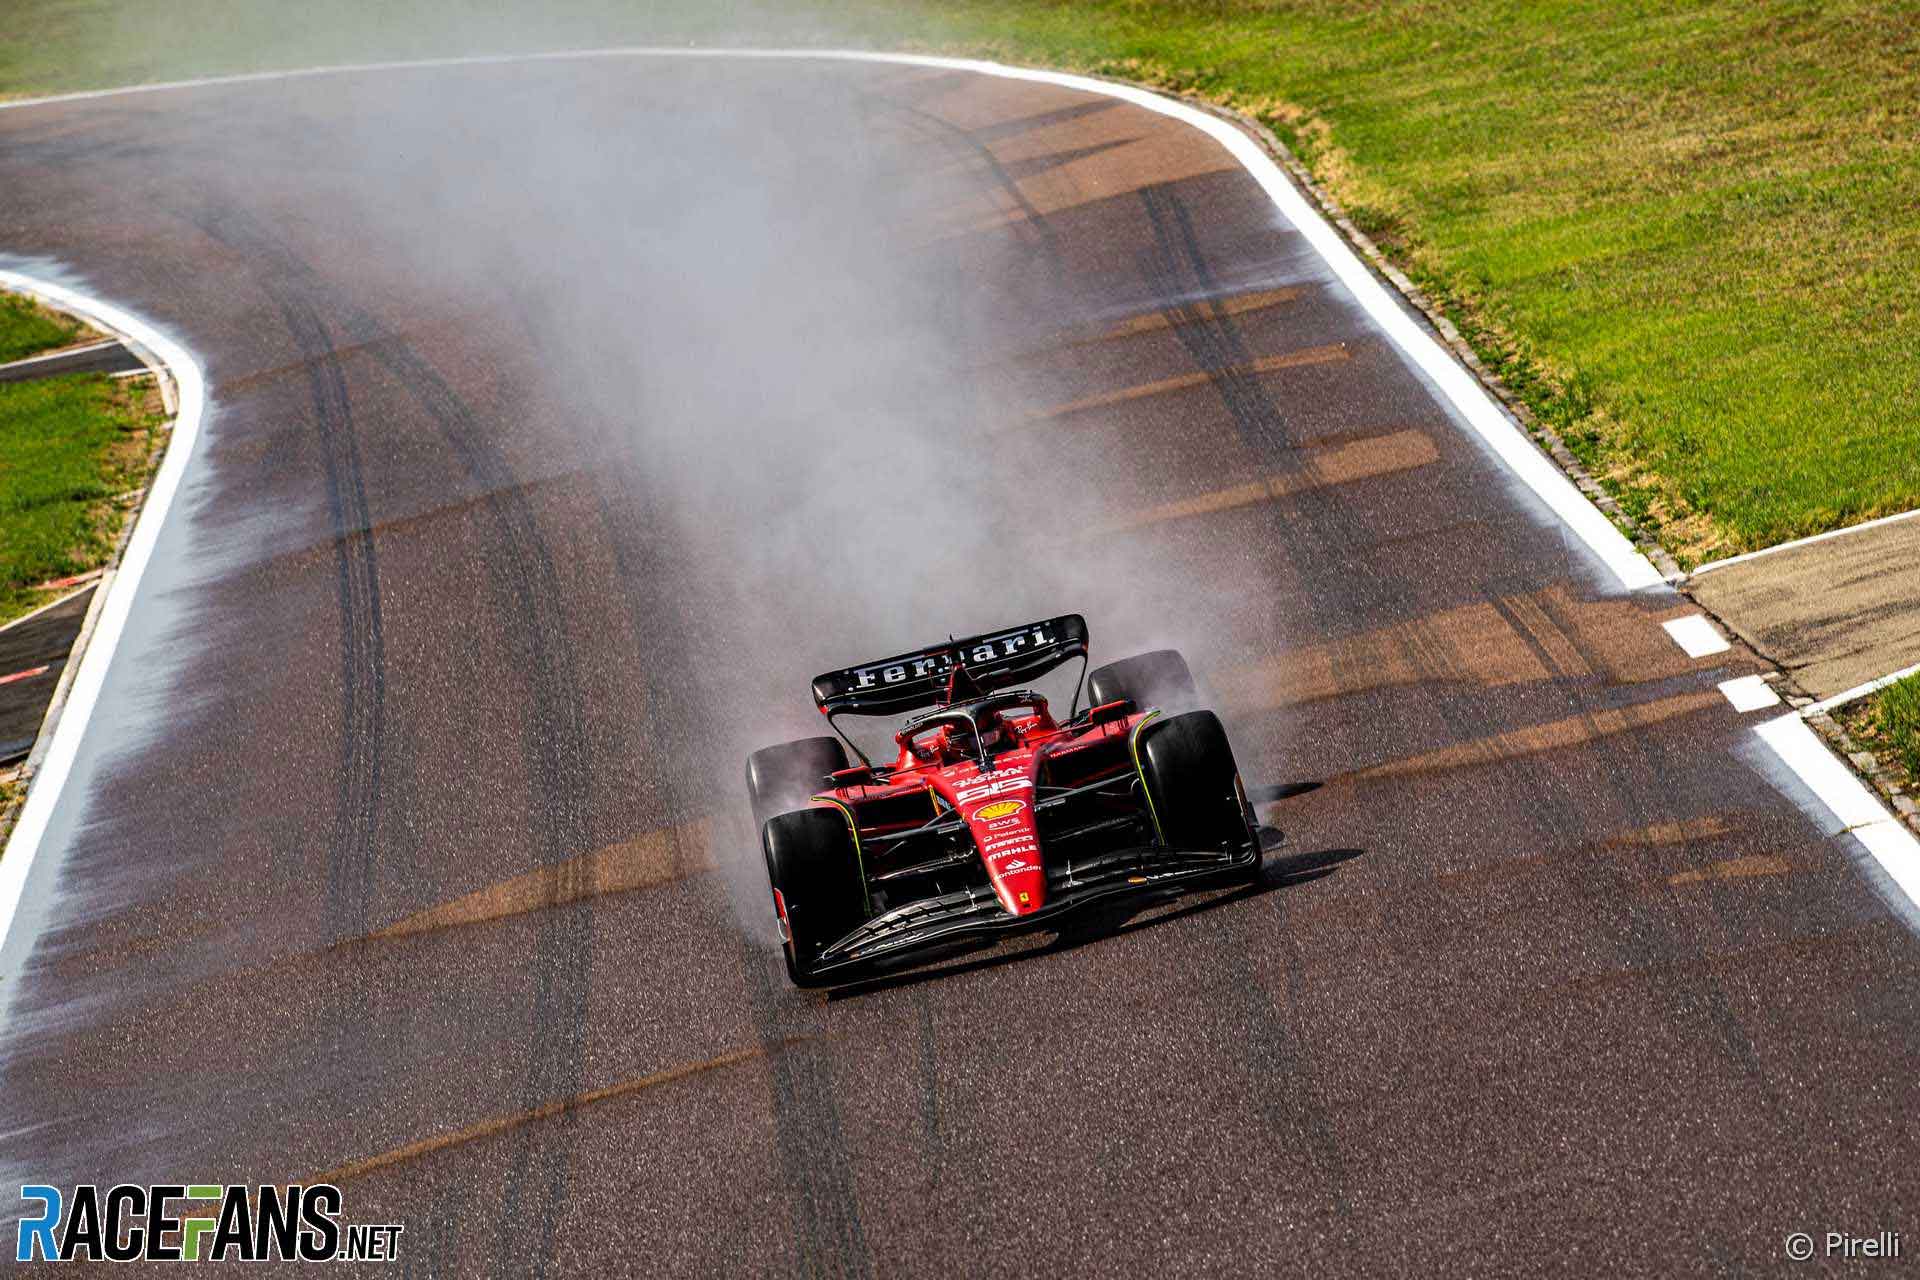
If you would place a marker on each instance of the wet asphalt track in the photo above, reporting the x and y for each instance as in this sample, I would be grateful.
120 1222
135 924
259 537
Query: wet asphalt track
569 417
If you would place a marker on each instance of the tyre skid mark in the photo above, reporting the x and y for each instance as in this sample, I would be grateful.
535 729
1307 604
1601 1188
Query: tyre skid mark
529 584
1428 655
1025 216
810 1141
1706 1007
362 645
532 601
1176 268
1245 303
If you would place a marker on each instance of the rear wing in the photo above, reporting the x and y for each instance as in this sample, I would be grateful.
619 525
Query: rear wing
995 660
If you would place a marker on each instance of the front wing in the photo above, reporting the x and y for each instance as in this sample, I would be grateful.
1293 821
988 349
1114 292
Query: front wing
1074 884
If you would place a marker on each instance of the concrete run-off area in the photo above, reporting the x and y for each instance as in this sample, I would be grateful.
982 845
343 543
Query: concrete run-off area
1835 612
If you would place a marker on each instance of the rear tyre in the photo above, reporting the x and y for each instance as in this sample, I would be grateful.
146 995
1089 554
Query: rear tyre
787 776
819 892
1194 786
1156 679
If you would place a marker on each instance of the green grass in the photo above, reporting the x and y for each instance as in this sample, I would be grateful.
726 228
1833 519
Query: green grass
26 328
1899 716
1888 724
1685 232
68 447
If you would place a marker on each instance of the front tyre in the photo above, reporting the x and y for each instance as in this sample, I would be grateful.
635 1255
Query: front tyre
1193 786
819 892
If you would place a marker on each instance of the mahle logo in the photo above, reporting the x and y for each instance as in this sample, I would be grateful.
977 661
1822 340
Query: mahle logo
265 1223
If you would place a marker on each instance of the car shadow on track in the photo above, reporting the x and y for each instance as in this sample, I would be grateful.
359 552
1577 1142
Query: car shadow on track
1104 921
1281 791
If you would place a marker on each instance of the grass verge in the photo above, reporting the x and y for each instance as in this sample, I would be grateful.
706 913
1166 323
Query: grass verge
1888 724
27 328
75 455
1683 233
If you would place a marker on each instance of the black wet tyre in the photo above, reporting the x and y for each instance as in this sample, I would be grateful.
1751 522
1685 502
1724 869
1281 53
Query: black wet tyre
1193 784
787 776
1156 679
814 871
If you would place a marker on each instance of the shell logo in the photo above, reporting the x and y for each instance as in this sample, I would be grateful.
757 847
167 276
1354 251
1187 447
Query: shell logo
998 809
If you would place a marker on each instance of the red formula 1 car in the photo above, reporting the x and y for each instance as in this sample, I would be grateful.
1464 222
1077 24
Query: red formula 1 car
996 815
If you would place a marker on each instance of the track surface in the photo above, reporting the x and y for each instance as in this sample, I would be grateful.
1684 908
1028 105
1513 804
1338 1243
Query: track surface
568 417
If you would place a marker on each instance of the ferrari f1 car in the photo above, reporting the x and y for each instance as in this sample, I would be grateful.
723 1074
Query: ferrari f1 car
996 815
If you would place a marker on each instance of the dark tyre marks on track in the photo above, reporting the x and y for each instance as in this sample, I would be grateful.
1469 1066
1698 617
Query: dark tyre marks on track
350 847
531 601
814 1163
1176 267
556 743
1031 225
1639 789
1277 1048
1039 239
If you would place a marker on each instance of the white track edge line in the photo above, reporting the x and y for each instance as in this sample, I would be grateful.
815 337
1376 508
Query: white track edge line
57 704
1862 527
45 785
1534 468
1857 810
1860 691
